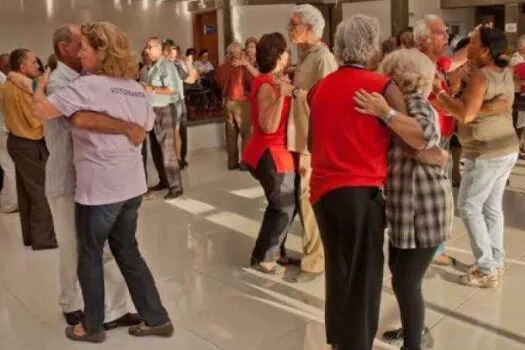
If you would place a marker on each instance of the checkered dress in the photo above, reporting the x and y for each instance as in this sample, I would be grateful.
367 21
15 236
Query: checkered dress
419 204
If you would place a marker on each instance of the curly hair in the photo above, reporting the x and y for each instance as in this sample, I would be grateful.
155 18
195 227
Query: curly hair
113 48
357 39
251 40
412 70
269 51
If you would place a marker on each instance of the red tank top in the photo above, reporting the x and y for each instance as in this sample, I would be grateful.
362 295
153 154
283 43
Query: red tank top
260 141
349 149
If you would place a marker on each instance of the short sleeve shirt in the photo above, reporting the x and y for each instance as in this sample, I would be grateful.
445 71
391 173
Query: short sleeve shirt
163 74
316 64
109 167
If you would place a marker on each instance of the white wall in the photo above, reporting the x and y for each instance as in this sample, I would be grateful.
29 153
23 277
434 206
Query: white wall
30 23
465 17
379 9
256 20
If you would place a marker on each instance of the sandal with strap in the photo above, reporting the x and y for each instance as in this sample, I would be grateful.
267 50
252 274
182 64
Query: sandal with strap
97 337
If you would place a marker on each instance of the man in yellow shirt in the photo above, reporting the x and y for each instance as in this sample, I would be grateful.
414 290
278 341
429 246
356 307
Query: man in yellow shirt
27 147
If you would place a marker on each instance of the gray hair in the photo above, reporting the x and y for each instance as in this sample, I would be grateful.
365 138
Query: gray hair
422 28
61 34
234 45
412 70
357 39
521 42
310 15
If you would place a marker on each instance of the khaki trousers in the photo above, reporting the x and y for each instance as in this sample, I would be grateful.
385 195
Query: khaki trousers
8 197
70 299
238 122
313 258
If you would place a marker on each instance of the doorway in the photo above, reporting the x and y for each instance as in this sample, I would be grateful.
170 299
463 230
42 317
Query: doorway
205 34
494 14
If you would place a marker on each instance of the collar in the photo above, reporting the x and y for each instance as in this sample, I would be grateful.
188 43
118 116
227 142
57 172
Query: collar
158 63
69 73
317 46
3 77
21 81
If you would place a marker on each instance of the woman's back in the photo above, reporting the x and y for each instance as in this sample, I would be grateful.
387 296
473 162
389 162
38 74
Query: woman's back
109 168
493 135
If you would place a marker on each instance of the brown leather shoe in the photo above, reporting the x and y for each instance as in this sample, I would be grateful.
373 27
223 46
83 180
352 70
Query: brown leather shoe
143 330
127 320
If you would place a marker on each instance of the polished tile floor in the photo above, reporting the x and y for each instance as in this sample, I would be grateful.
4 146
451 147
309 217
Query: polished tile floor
198 248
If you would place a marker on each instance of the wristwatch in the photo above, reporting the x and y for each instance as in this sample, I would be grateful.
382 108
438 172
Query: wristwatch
387 119
295 92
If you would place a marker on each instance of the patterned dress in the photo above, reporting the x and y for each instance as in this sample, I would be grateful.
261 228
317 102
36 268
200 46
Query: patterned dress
419 203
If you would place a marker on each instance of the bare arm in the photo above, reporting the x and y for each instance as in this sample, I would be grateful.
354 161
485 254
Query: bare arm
407 128
270 108
495 106
42 108
104 124
459 58
467 108
160 90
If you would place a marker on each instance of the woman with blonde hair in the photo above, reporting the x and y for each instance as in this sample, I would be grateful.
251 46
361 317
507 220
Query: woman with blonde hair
419 206
110 178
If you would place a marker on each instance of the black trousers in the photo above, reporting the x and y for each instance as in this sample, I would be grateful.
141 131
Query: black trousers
163 148
30 159
352 223
117 224
280 192
408 267
183 130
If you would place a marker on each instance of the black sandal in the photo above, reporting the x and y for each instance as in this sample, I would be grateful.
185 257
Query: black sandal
97 337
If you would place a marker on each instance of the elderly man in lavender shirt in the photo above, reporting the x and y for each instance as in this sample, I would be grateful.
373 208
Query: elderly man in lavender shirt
110 178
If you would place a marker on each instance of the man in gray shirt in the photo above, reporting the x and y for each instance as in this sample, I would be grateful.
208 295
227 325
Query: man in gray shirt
162 81
60 191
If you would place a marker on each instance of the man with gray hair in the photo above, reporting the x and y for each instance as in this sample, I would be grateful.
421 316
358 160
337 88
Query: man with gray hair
519 55
305 29
235 83
60 188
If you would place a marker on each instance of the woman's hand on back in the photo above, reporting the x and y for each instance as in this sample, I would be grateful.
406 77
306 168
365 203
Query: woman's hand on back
43 80
371 103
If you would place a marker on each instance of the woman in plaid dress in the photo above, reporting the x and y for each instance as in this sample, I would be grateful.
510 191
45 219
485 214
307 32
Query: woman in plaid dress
419 204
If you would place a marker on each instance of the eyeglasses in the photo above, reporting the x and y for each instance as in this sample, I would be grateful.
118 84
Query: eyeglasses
442 32
292 25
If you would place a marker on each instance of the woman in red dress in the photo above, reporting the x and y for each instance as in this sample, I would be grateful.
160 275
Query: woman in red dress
266 155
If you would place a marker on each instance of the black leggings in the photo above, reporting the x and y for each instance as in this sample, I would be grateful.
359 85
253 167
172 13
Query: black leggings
408 267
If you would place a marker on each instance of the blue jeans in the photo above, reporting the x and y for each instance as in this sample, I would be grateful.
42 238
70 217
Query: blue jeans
116 223
480 205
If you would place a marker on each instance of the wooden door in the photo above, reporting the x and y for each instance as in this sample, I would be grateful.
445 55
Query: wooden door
205 34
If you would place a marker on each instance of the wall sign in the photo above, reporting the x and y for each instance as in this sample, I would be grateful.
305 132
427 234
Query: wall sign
209 29
511 27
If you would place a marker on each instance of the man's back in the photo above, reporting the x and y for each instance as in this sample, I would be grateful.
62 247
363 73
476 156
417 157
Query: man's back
17 107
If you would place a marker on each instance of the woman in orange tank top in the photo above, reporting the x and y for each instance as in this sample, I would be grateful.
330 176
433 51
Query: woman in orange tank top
266 155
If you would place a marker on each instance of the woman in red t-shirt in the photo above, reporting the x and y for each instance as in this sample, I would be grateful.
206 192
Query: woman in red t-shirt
266 155
349 150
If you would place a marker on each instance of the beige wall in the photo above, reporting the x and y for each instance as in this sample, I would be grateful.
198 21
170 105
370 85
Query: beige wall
465 17
256 20
379 9
30 23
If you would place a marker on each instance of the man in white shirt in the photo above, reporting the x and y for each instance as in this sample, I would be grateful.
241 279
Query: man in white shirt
8 197
60 193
